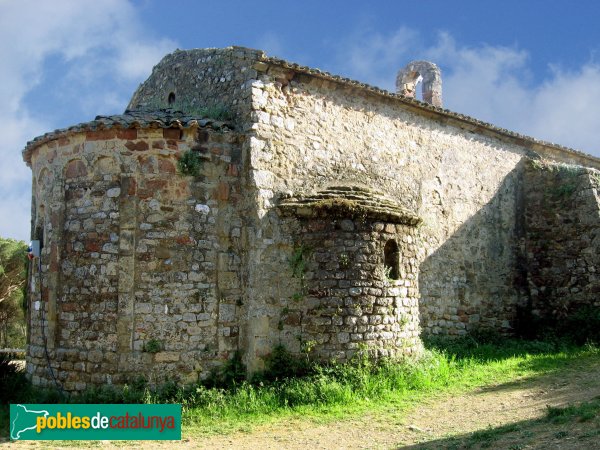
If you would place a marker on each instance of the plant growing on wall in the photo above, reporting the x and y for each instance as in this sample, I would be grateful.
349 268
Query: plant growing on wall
403 320
298 262
218 112
565 182
188 107
563 190
152 346
383 273
189 164
344 261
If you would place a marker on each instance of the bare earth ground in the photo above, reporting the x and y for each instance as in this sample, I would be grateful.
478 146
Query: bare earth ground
443 422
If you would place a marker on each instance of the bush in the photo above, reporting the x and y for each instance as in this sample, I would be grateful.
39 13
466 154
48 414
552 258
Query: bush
100 394
289 382
13 383
216 112
579 327
190 163
14 387
231 374
281 365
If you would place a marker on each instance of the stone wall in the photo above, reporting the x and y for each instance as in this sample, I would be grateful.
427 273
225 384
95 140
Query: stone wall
311 133
348 302
140 265
200 80
357 278
562 238
145 271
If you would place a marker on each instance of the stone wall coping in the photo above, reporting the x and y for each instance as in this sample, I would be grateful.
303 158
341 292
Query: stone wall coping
352 201
541 148
538 148
139 119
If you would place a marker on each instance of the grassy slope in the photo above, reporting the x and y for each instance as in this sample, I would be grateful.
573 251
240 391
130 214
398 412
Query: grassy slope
344 391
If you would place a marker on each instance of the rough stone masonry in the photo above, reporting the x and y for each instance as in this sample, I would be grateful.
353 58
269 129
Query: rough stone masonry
327 216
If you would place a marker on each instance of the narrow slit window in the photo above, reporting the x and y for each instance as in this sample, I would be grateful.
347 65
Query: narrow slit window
391 259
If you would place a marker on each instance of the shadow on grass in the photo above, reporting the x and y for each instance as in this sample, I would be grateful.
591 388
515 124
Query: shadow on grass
463 363
536 358
571 427
491 346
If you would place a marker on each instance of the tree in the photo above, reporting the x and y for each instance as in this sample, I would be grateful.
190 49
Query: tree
13 280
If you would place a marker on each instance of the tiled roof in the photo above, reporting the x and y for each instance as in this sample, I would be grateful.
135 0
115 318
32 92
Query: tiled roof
170 118
349 201
162 118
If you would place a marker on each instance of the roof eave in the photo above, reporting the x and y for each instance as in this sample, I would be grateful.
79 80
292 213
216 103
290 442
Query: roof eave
539 148
110 122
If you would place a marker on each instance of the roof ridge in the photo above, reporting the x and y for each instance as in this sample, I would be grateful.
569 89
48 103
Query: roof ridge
535 144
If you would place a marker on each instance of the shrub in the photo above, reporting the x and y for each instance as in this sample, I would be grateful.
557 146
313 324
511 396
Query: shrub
579 326
231 374
13 383
153 346
281 365
13 286
190 163
582 326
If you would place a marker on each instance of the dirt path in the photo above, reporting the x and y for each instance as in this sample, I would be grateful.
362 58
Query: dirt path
438 418
430 425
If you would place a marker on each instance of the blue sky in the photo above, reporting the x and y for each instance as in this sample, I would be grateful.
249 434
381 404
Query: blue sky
532 66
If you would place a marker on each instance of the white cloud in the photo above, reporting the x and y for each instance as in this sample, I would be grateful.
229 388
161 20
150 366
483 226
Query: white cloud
15 219
491 83
15 176
98 44
271 44
375 58
566 108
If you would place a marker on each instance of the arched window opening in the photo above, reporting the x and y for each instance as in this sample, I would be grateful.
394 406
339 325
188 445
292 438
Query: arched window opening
391 259
39 233
171 98
423 73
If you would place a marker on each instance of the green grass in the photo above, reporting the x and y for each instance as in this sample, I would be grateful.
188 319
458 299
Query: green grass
325 393
485 438
344 390
582 413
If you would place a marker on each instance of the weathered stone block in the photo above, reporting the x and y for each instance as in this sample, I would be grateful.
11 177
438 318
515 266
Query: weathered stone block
95 356
226 312
75 169
166 357
137 146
